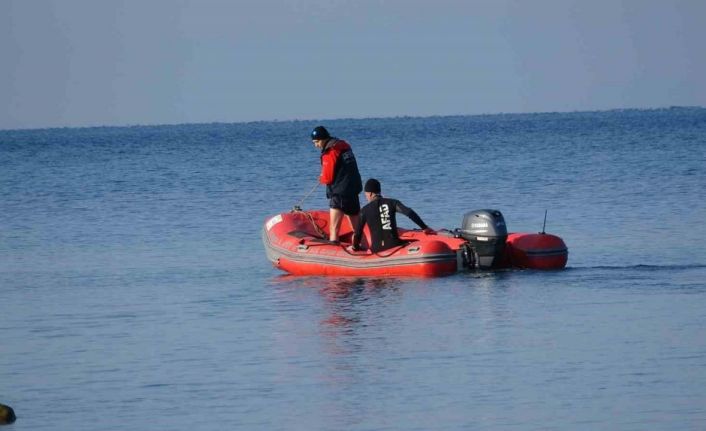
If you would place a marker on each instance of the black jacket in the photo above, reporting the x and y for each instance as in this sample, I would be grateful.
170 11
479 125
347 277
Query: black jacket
380 216
339 169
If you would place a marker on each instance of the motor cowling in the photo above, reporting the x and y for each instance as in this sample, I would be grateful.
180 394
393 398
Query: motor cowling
486 231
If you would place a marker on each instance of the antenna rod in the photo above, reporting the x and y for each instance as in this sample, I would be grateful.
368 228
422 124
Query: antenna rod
545 221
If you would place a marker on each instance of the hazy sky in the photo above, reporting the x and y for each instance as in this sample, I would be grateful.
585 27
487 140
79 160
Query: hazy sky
110 62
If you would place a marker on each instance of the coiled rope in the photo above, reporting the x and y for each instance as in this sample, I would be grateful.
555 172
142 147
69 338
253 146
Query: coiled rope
308 215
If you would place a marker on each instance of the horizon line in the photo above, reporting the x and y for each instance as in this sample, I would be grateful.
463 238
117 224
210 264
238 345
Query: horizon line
312 120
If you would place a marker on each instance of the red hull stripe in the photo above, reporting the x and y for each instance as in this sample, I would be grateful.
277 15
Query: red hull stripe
554 252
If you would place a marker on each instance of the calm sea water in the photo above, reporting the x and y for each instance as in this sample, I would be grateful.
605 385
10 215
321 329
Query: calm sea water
135 292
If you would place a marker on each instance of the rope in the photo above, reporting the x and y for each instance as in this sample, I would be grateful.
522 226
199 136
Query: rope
299 205
318 230
396 249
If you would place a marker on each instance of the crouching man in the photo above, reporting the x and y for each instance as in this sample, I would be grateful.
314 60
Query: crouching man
380 215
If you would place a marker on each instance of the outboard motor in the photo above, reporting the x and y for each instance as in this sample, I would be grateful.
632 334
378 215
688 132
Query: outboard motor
485 230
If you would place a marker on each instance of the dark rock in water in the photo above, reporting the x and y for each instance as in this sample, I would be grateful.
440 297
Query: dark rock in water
7 415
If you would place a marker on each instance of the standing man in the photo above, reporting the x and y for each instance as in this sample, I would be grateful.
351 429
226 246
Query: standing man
380 215
339 171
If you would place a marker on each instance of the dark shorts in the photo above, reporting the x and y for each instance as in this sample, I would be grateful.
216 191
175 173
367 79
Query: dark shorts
350 205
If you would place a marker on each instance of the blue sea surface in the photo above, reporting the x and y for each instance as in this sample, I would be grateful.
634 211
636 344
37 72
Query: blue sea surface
135 292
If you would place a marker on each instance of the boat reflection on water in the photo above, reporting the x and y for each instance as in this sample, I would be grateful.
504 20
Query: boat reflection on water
346 299
349 310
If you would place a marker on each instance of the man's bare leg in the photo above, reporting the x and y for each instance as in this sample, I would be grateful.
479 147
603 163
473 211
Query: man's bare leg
335 215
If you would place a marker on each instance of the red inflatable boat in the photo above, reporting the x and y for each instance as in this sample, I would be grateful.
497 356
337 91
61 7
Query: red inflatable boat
296 242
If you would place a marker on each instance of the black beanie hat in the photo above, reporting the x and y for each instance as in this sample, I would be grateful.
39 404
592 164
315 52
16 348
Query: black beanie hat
372 186
319 133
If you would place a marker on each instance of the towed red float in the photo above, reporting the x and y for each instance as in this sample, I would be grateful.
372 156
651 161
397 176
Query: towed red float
296 242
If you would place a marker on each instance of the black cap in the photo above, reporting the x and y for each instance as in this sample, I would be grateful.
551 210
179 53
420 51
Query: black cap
319 133
372 186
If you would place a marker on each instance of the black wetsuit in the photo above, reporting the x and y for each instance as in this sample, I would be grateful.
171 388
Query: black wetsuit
379 215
